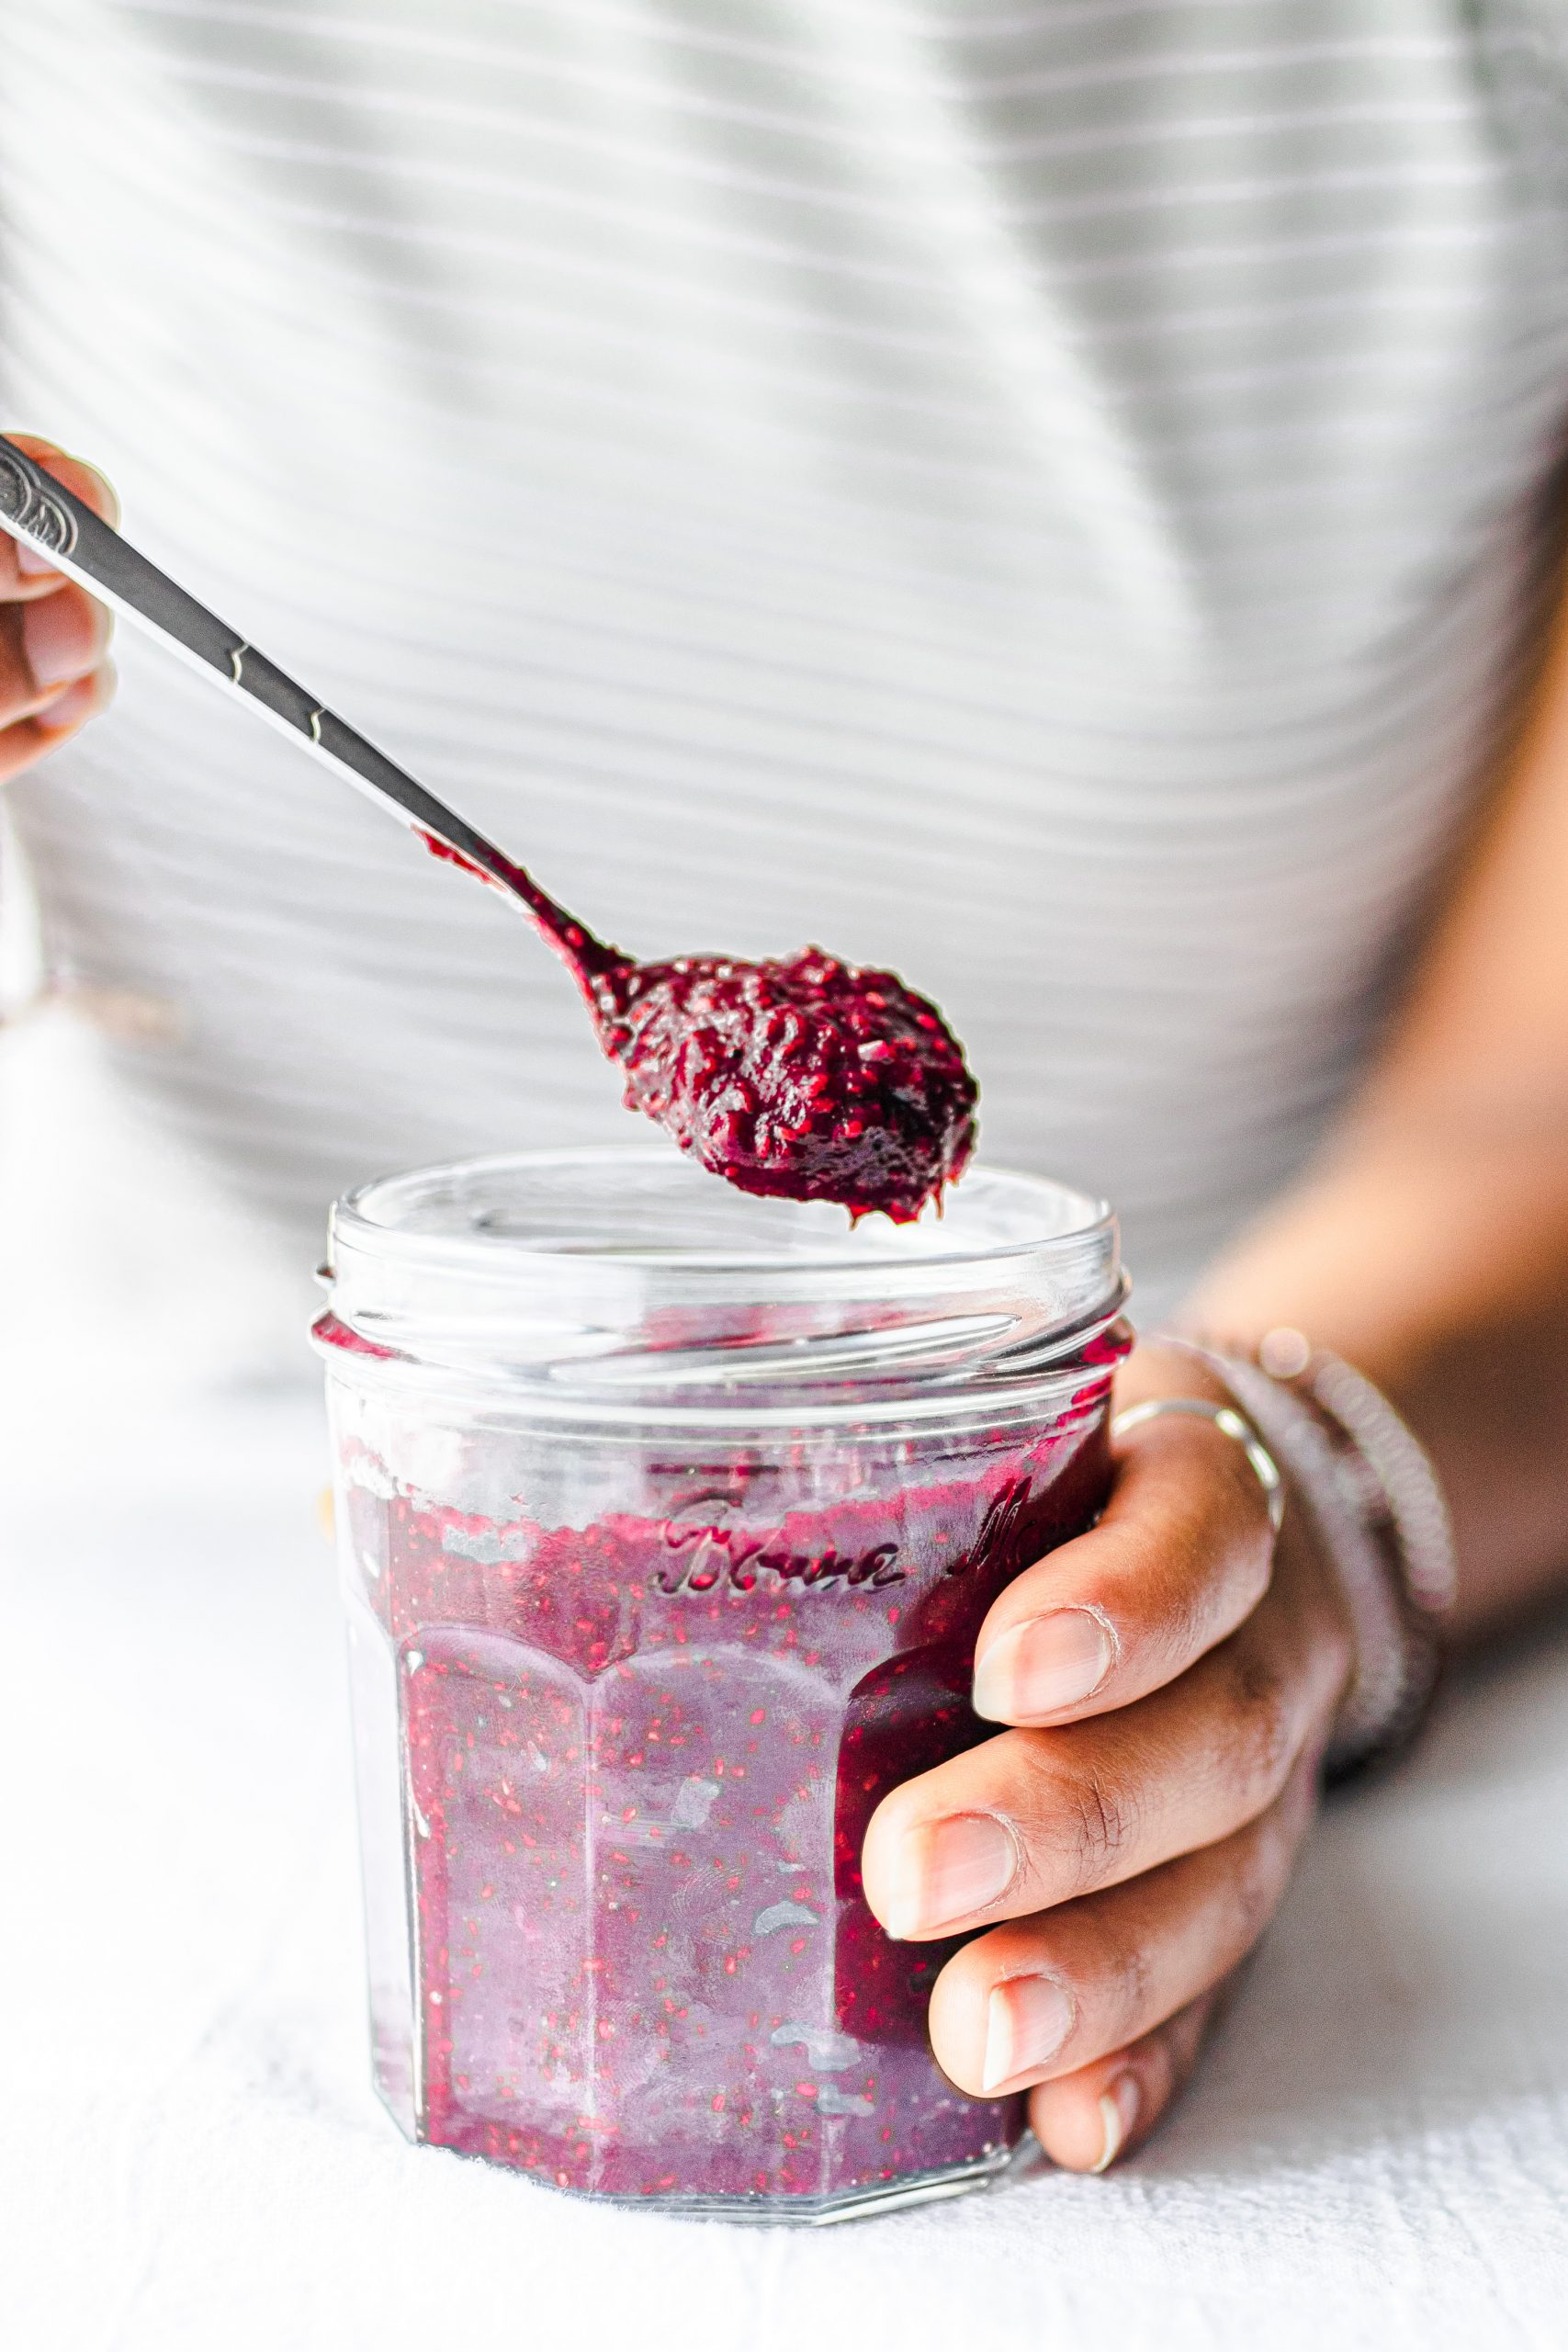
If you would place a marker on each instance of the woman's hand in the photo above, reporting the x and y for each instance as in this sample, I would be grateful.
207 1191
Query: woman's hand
1172 1676
53 637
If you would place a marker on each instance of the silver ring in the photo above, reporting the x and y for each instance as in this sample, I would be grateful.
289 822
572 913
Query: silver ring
1226 1418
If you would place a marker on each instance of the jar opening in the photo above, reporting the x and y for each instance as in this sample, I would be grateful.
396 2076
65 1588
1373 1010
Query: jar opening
603 1273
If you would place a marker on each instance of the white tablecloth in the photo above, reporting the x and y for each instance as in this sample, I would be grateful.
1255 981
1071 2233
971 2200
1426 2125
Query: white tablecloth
191 2159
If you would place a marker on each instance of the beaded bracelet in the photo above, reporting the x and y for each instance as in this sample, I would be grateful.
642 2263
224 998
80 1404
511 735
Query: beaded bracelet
1380 1514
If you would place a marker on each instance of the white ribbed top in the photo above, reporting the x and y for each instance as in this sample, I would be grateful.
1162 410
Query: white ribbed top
1048 497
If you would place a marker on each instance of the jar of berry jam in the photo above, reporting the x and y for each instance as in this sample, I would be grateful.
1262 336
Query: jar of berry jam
667 1519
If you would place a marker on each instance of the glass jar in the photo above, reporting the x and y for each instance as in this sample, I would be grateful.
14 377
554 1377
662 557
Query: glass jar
667 1519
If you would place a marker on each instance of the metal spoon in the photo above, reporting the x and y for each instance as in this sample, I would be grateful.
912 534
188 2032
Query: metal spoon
803 1077
43 514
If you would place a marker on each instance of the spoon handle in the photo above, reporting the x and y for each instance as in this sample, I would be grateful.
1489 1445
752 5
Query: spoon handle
42 514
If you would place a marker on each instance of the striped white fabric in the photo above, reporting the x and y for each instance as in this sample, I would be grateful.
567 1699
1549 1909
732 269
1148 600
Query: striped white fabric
1051 497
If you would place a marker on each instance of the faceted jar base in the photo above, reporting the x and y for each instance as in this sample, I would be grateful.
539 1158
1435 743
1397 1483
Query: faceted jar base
810 2212
851 2205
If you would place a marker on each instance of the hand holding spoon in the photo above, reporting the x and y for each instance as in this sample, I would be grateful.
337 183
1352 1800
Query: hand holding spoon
800 1076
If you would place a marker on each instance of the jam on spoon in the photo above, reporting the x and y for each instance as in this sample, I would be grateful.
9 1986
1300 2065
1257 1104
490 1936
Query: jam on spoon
801 1076
798 1075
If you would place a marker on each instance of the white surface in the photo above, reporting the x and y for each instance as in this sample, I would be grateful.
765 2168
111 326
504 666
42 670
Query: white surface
190 2156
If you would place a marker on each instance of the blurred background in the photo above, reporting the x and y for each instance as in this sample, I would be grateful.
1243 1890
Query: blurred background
131 1280
1054 500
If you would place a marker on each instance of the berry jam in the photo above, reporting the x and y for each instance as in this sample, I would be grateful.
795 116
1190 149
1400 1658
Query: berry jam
637 1755
802 1077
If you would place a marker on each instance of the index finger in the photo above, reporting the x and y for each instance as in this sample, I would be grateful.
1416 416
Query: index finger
1181 1556
23 573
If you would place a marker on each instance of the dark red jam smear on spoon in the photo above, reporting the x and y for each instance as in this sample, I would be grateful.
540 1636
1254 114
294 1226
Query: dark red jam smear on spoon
798 1075
802 1076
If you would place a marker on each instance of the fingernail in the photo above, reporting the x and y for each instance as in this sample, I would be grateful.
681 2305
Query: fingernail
30 563
69 709
1119 2113
944 1870
1042 1665
61 637
1027 2020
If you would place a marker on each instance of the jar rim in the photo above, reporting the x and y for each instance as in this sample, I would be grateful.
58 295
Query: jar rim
595 1276
355 1215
